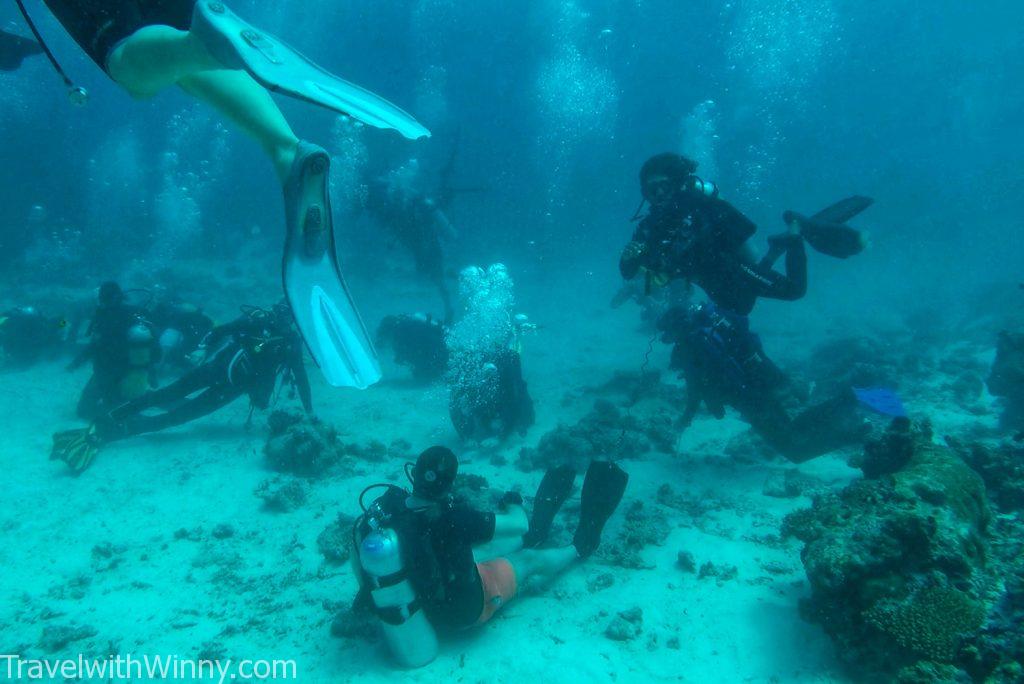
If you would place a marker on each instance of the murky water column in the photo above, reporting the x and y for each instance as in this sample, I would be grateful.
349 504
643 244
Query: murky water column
776 47
189 168
431 23
349 157
577 98
116 204
699 138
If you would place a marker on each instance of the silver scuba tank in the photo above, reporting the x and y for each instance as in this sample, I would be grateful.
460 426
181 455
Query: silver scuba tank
410 636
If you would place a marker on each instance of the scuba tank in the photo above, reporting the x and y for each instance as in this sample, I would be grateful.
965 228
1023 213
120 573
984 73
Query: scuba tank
381 570
135 382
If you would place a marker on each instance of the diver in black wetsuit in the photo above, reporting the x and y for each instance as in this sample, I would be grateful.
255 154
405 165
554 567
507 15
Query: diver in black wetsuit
724 364
692 234
245 357
418 342
123 350
493 401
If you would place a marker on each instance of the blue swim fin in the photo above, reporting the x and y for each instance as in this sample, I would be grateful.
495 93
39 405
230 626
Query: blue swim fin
324 310
279 68
881 400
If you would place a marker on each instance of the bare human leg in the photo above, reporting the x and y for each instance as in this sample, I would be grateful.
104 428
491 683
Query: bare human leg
157 57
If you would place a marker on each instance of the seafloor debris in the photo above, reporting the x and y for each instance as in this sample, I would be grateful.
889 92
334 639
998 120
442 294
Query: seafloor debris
605 432
301 445
335 541
626 626
281 495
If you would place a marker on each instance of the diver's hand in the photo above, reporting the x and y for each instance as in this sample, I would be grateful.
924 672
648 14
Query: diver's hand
634 250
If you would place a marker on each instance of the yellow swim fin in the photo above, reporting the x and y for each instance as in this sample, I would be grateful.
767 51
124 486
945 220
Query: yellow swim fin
77 448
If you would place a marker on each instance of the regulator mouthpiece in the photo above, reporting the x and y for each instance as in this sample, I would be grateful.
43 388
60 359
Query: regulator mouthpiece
78 95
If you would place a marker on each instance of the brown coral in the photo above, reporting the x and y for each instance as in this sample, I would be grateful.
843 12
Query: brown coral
931 622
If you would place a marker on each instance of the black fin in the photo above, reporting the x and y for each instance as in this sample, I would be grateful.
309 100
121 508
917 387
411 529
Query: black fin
603 488
554 489
843 210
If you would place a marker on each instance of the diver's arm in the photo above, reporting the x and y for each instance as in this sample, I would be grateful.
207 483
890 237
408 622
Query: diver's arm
632 259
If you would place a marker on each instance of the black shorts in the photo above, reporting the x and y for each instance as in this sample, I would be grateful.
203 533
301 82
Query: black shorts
99 25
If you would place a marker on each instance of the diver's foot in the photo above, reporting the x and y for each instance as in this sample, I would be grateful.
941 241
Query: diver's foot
785 241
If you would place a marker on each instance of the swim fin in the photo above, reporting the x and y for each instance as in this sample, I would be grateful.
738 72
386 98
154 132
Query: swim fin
554 489
603 488
826 231
77 448
323 308
843 210
279 68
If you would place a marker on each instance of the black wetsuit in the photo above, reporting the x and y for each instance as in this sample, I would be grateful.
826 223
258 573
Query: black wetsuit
437 543
417 342
111 353
724 365
701 239
459 601
493 405
252 352
99 25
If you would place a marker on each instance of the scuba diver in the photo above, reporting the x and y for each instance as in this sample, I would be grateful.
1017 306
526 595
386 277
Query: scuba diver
418 221
690 233
27 336
14 49
124 352
490 398
724 364
244 357
209 52
414 550
418 342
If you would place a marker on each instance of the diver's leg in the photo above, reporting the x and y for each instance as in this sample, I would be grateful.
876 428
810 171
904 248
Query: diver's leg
244 101
206 375
538 567
765 282
768 418
206 403
156 57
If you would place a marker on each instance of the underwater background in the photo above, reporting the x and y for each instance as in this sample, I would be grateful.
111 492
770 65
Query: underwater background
551 106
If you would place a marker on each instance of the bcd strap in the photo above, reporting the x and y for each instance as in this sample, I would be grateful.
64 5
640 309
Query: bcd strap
397 615
388 580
